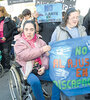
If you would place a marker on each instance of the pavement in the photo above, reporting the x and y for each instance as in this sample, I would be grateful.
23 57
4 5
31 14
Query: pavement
4 87
5 92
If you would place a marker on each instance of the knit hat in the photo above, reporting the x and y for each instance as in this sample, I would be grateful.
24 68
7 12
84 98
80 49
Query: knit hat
70 10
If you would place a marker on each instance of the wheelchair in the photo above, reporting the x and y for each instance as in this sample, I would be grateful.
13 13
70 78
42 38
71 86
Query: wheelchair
1 67
20 89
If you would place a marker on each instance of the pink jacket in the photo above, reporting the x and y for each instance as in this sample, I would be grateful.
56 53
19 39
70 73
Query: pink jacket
25 53
1 31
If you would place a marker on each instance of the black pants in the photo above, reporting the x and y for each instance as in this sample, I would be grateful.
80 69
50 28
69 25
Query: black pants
5 49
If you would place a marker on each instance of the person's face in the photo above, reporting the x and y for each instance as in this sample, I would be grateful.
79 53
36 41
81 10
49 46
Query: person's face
27 17
73 19
29 31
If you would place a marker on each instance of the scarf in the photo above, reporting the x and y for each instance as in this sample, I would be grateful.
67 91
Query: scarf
1 19
31 42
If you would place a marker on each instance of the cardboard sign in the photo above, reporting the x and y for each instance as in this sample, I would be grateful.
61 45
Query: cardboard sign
49 12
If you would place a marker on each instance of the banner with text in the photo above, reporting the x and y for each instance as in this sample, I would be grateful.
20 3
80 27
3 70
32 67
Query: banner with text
10 2
65 3
70 65
49 12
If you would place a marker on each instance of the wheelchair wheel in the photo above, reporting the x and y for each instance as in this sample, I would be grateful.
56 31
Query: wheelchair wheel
27 97
1 70
15 84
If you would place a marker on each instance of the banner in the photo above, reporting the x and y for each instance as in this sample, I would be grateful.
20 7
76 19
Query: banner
70 65
65 3
49 12
18 1
68 4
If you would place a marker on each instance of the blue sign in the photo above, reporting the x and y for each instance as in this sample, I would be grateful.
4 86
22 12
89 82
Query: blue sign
70 65
49 12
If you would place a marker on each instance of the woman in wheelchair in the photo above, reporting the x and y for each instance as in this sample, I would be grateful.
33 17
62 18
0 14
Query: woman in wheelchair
32 54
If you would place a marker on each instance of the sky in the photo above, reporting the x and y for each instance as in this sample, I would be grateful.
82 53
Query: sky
83 6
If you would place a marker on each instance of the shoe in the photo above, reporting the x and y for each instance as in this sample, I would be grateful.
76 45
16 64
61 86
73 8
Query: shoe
87 96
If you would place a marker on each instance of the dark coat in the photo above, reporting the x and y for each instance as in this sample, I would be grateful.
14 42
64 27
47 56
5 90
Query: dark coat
46 30
8 29
86 22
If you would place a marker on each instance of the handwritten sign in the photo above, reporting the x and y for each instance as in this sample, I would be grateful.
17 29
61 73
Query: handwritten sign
70 65
49 12
65 3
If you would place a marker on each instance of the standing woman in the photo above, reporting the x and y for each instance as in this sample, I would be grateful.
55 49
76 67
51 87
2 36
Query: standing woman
6 30
69 29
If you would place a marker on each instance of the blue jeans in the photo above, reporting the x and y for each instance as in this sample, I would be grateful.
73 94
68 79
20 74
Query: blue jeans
35 84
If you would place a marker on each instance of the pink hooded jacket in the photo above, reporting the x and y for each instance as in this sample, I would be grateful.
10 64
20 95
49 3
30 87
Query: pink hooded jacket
25 53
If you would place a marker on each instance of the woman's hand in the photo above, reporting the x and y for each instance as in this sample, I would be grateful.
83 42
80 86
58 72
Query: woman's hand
46 48
35 15
41 70
47 53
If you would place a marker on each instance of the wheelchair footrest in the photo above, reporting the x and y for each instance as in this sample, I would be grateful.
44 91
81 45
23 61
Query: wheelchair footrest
45 93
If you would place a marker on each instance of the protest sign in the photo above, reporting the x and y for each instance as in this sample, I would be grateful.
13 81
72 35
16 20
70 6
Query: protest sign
10 2
65 3
70 65
49 12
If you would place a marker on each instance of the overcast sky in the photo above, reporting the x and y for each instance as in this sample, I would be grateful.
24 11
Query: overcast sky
83 5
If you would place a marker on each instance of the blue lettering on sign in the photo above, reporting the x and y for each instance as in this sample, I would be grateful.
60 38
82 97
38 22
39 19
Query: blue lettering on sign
48 8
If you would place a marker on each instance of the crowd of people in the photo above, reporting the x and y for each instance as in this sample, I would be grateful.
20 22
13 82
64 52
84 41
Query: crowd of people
32 44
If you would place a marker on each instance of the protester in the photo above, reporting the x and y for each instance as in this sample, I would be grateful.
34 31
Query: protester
20 17
46 30
63 14
28 16
17 23
86 22
80 17
69 29
16 20
31 54
7 26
